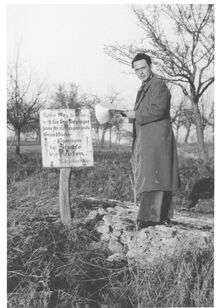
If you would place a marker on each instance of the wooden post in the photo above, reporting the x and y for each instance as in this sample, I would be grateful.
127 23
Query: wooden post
64 195
64 192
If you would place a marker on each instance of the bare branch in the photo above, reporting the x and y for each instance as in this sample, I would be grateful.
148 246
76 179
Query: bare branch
207 83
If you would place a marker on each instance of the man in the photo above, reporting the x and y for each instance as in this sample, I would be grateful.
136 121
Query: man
154 148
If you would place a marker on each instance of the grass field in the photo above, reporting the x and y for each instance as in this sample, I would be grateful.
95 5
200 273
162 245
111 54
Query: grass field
50 265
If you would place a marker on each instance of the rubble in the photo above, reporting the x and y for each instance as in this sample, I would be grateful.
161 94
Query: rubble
119 233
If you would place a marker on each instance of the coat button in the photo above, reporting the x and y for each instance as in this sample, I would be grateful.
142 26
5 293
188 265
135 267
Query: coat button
156 181
156 171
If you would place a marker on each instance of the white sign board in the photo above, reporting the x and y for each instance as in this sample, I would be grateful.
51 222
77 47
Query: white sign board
66 139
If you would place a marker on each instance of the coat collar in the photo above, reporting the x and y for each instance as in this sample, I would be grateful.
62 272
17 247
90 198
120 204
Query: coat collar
146 87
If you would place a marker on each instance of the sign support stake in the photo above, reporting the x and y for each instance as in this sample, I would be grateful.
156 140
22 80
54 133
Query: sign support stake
64 195
64 192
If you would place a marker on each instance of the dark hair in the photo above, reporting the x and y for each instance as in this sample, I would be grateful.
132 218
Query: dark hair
141 56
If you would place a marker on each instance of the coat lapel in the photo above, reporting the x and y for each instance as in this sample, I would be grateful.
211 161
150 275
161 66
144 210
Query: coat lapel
145 89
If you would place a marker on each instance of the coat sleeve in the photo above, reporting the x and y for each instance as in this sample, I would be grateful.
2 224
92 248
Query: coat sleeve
157 105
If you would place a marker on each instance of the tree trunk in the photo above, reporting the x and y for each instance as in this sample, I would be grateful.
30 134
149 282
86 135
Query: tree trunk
37 139
187 132
103 137
118 137
97 135
110 137
18 136
38 136
177 132
199 133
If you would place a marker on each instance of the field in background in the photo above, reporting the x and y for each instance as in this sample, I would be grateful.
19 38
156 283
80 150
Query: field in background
188 148
53 266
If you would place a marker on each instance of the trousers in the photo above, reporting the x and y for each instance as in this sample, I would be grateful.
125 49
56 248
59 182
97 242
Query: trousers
155 206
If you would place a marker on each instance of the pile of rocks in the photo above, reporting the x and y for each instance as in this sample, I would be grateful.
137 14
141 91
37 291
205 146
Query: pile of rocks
118 230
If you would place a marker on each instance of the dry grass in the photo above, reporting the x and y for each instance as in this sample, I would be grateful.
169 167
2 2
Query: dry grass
50 265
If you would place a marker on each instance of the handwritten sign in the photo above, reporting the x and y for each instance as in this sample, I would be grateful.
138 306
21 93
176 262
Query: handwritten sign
66 139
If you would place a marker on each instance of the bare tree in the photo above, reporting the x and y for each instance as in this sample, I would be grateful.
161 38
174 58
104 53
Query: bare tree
176 116
33 127
112 98
182 116
187 120
24 99
69 95
184 57
66 95
207 114
123 134
207 117
96 126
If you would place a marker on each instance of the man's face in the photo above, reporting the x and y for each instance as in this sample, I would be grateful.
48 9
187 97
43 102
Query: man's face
142 69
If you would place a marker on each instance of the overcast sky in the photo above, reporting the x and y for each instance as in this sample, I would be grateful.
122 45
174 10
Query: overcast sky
64 43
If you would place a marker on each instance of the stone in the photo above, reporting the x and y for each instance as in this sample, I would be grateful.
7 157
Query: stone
92 215
117 257
115 246
108 219
153 243
99 245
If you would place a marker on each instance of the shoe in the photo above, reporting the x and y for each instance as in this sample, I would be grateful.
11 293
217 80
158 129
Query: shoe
141 224
165 222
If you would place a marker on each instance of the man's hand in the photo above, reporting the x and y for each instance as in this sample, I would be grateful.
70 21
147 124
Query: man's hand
115 114
130 114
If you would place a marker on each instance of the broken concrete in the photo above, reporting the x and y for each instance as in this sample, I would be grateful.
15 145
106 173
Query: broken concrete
117 228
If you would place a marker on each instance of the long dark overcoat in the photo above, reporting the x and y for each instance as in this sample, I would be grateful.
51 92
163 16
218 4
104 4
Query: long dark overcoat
155 152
